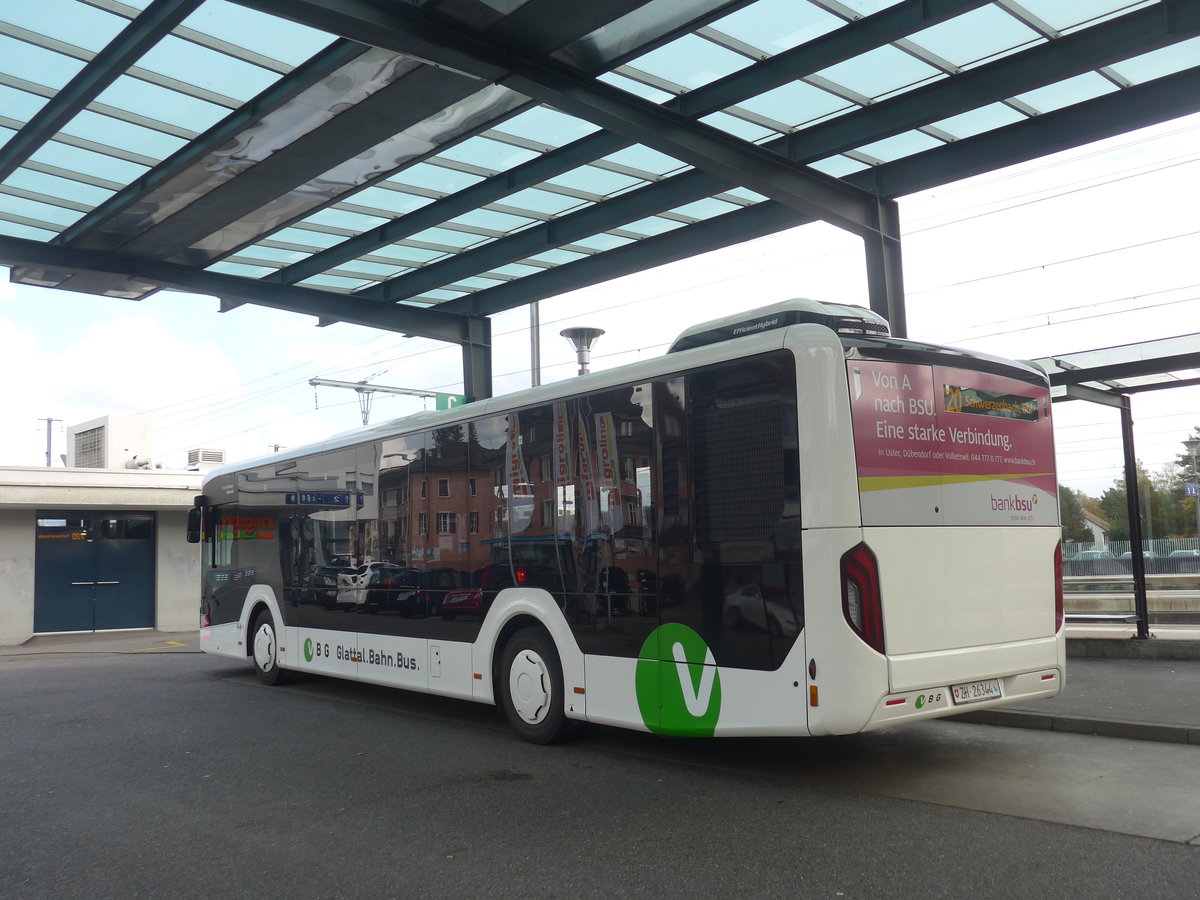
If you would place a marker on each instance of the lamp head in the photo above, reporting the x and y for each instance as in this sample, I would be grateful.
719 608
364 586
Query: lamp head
582 338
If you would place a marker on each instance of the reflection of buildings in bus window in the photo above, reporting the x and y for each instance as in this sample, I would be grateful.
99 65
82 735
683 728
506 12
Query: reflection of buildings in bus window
438 532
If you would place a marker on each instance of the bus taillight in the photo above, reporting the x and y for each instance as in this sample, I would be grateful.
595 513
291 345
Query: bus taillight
862 603
1058 588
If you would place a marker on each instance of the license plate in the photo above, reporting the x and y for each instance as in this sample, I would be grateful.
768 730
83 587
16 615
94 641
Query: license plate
974 691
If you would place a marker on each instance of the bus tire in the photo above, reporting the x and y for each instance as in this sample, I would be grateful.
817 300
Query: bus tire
264 648
531 688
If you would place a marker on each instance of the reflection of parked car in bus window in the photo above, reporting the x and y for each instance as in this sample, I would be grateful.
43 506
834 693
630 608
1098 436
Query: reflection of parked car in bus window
324 583
469 601
353 587
489 581
748 608
387 585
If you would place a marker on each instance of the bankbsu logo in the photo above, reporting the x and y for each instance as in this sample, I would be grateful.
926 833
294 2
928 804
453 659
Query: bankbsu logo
677 682
1013 503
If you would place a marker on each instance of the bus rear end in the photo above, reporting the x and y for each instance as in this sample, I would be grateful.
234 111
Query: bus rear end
954 591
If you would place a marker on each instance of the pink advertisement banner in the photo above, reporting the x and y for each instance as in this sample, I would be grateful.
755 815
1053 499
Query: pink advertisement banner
941 445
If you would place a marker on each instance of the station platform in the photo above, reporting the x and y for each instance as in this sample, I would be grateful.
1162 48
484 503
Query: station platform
1119 687
1116 686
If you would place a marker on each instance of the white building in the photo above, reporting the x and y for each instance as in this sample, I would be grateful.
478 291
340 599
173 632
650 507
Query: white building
93 549
1098 526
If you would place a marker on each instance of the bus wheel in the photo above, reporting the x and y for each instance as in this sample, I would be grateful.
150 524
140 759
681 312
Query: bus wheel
531 687
264 648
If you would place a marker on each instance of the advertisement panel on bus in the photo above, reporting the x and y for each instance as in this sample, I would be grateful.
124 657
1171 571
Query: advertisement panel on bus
937 445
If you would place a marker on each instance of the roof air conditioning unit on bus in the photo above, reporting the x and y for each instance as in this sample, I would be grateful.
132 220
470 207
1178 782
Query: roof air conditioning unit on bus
841 317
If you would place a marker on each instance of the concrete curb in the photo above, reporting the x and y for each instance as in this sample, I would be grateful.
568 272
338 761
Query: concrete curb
1129 648
1138 731
133 642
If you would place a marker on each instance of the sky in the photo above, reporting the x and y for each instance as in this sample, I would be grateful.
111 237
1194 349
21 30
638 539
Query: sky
1090 248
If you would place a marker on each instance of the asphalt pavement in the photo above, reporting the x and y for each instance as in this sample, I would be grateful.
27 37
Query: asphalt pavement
1116 686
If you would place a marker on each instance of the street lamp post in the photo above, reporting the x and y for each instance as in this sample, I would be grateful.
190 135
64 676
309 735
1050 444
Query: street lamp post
1193 444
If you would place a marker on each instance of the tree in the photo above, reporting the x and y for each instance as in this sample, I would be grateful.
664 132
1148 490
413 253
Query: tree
1070 511
1165 513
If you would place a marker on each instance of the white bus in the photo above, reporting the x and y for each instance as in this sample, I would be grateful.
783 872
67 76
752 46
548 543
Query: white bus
790 524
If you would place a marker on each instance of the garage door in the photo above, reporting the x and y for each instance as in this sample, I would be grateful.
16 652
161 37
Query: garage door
94 571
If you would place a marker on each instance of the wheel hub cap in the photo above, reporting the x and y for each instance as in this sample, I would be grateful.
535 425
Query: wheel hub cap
529 686
264 647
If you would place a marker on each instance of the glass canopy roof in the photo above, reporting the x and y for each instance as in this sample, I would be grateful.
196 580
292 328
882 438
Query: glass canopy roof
462 157
1129 368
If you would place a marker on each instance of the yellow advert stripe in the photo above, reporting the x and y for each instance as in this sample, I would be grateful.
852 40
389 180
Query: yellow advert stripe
903 482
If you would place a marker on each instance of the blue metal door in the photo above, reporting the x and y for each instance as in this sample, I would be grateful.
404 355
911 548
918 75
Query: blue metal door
93 571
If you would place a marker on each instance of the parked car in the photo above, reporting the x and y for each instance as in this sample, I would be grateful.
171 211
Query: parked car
1184 562
1085 555
1094 562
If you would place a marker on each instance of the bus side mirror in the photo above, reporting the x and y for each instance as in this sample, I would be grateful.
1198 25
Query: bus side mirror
194 520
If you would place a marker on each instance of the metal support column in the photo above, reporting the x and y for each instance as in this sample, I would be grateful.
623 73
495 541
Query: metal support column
535 345
477 358
1133 506
1140 606
885 278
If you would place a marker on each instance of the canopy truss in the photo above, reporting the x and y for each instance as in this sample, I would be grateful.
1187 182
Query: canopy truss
1110 376
422 166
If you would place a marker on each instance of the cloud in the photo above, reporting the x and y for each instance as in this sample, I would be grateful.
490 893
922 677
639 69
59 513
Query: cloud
20 371
126 365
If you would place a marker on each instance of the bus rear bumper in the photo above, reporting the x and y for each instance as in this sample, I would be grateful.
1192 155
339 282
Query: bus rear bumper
950 699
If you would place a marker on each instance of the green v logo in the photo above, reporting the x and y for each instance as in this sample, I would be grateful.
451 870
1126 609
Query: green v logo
678 683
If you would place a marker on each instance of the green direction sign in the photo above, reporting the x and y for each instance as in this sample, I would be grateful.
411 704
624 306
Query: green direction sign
448 401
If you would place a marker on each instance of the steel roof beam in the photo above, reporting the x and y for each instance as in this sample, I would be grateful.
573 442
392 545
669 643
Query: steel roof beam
141 34
1102 117
998 80
286 88
404 29
292 165
417 95
435 324
890 24
1180 362
1111 114
1140 31
683 243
